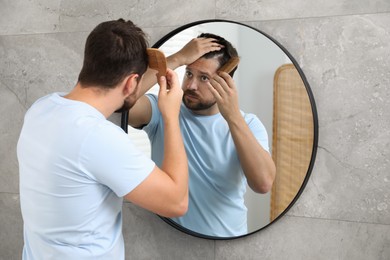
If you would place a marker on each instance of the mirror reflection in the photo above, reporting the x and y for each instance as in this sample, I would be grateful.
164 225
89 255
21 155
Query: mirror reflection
276 105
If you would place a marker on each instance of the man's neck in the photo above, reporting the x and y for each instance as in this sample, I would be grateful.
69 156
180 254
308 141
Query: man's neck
95 97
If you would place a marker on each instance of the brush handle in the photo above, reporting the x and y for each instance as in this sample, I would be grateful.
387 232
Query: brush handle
230 65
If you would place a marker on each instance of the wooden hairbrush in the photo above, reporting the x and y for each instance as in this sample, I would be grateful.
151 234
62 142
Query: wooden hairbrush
157 61
230 65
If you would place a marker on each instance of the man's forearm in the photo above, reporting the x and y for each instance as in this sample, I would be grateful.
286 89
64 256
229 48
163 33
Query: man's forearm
175 158
256 162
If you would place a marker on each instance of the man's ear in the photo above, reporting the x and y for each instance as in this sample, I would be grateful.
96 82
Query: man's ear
130 84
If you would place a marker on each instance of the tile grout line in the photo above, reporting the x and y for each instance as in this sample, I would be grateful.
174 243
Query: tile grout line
339 220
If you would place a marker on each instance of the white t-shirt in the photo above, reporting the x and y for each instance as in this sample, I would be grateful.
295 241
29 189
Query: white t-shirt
75 167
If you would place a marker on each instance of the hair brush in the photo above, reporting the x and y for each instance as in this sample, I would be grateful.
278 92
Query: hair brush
230 65
157 61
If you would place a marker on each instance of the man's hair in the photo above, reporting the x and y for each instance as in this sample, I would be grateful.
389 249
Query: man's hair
224 54
113 50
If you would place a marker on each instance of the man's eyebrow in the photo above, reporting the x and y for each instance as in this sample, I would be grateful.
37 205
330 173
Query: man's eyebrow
205 73
200 72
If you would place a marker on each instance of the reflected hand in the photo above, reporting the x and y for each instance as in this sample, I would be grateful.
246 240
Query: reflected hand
223 88
195 49
170 95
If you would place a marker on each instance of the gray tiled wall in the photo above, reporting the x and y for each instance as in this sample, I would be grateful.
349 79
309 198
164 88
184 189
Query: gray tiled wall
343 47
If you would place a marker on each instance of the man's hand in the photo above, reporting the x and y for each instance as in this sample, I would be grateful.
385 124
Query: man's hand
256 162
192 51
223 88
170 95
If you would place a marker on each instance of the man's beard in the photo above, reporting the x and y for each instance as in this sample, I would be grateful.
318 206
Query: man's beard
127 104
200 105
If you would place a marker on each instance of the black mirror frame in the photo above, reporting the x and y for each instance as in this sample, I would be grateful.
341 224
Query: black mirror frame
124 126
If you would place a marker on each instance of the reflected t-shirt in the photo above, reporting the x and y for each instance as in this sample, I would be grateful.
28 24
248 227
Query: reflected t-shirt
75 167
216 181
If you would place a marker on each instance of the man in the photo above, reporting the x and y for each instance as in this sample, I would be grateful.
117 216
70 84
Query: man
76 166
226 147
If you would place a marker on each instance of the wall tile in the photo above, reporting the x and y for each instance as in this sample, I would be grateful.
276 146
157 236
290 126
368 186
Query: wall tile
156 33
310 238
43 16
26 17
339 191
11 226
149 237
39 64
10 124
84 16
344 61
33 66
260 10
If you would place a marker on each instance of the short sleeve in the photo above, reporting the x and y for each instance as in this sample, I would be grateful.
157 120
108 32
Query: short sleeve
258 130
151 128
110 157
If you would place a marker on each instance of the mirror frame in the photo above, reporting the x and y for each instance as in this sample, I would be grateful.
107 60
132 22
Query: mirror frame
159 43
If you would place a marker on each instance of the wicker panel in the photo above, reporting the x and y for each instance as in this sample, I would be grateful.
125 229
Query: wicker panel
293 135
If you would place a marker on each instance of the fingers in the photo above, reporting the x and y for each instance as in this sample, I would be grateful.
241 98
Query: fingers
169 81
162 82
222 83
209 44
225 77
173 81
216 89
195 49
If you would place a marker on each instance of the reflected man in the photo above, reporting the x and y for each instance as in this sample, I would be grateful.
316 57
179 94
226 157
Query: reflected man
226 147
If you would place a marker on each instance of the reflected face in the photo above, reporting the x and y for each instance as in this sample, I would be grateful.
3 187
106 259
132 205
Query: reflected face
197 97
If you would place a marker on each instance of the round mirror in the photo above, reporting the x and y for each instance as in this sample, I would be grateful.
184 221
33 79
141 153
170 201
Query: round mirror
271 86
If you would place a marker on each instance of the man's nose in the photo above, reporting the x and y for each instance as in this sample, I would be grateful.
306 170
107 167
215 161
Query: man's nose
191 84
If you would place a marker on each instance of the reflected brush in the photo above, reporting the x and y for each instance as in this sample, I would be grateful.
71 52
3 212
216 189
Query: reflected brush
157 61
230 65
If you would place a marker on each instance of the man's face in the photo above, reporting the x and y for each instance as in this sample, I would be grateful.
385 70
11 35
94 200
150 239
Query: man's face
127 104
197 97
130 100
